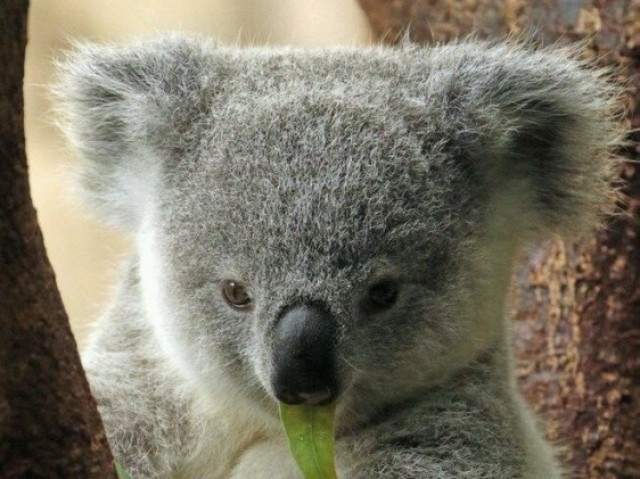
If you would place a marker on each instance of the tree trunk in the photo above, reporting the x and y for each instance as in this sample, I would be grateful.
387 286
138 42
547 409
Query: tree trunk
49 424
576 305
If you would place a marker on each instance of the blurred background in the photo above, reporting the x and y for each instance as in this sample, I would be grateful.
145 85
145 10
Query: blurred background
84 253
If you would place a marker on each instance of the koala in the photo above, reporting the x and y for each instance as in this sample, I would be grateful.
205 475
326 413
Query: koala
316 226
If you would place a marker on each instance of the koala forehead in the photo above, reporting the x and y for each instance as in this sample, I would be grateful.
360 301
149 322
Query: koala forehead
298 177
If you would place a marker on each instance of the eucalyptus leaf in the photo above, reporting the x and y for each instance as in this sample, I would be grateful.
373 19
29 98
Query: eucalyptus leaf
310 433
121 473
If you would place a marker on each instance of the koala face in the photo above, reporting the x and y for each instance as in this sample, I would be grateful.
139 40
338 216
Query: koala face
333 225
328 248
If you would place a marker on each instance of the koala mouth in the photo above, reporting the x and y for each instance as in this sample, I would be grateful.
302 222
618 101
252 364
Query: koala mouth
304 356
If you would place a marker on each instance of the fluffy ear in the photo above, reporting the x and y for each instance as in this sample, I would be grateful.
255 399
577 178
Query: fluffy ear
541 129
129 111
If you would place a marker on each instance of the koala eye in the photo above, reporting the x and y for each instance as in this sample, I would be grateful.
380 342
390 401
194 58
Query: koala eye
382 295
235 294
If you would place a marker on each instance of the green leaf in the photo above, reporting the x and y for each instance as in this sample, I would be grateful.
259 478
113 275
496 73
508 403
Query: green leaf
310 433
121 473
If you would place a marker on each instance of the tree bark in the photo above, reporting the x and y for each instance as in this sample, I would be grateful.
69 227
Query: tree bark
576 304
49 424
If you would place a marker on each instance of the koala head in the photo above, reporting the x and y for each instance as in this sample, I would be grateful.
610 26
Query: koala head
334 223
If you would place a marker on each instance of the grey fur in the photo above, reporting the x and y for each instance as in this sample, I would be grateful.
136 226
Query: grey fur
307 174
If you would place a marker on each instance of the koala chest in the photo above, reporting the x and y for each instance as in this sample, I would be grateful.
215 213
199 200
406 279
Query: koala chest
265 460
261 459
236 443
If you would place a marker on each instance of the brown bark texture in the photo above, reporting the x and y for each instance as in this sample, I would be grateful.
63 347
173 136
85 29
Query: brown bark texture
49 424
576 305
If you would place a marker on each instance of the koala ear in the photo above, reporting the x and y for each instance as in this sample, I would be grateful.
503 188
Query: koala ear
544 130
129 111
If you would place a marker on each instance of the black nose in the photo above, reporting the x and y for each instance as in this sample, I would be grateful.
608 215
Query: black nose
304 356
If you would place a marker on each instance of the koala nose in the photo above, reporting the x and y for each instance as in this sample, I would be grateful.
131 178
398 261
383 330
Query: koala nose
304 357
